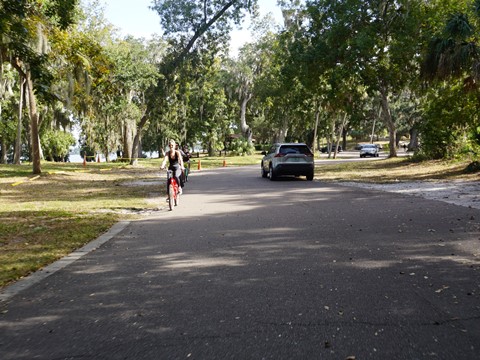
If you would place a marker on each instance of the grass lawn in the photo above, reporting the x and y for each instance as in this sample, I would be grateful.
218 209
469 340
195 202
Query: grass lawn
395 169
43 218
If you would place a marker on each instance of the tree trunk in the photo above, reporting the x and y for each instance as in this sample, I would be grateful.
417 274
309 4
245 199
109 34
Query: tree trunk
246 131
18 140
34 121
413 145
331 139
127 140
128 136
211 146
139 147
373 128
315 129
340 132
344 137
389 122
184 126
136 140
3 152
282 133
3 147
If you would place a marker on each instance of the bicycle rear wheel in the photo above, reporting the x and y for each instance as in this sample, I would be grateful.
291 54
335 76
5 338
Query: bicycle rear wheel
171 196
177 198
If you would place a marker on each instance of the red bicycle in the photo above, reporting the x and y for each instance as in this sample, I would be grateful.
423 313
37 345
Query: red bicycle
172 190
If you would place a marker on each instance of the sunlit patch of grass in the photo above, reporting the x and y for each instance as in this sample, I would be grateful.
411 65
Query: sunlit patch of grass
393 170
209 162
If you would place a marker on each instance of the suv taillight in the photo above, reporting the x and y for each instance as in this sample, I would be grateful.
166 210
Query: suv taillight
280 155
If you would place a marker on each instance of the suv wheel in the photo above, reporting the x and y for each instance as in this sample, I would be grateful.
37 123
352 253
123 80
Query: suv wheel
310 176
271 174
264 173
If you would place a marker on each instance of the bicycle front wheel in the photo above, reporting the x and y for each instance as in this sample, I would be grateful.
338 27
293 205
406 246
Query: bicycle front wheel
171 196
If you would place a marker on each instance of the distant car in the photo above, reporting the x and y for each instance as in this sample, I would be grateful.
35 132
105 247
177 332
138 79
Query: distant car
369 150
359 146
288 159
325 148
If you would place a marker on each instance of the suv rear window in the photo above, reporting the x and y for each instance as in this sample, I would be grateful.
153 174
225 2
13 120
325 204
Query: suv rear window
295 149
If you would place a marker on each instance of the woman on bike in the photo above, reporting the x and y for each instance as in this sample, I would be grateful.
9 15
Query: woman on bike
175 162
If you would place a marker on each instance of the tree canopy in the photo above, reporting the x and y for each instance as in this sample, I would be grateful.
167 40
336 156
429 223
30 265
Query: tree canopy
358 69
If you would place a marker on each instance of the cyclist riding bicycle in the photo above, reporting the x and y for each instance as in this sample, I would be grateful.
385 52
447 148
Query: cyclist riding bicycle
175 162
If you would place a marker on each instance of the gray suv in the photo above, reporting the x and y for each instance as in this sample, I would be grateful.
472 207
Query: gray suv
369 150
288 159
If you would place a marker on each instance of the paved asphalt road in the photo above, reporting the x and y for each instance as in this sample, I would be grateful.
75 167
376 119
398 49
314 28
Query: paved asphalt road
246 268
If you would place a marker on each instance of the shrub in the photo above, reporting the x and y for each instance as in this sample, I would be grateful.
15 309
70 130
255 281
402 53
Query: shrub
56 144
240 147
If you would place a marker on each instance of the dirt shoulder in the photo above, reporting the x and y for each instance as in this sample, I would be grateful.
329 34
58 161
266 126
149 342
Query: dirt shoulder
458 192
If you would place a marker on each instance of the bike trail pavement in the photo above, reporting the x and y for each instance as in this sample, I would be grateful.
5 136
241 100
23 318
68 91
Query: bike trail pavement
246 268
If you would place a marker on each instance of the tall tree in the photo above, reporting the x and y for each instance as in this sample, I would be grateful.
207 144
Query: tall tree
184 23
134 73
377 40
26 27
451 67
8 84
